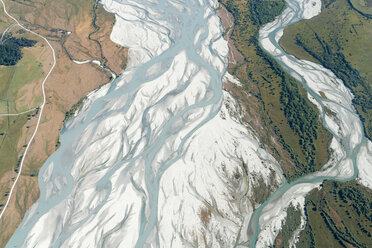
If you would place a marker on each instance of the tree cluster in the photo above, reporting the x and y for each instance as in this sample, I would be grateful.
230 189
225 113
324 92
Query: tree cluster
265 11
10 50
337 63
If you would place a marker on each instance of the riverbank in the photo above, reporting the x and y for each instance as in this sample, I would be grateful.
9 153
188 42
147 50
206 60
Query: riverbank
350 146
66 85
162 157
162 138
275 104
339 39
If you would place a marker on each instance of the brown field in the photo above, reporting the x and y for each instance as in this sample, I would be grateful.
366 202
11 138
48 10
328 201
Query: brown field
67 84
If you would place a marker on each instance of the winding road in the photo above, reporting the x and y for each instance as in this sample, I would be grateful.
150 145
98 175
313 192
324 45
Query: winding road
41 108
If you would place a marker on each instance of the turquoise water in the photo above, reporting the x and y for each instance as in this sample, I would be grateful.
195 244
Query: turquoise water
254 227
183 27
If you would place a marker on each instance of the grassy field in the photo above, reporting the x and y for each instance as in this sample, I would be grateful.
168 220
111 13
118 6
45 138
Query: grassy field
283 102
28 71
20 90
10 133
5 21
65 10
340 39
291 224
20 85
363 6
339 215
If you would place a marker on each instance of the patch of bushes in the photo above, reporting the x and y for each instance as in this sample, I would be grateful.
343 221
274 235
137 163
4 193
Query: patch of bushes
338 38
291 224
265 11
336 62
294 120
69 114
339 215
300 115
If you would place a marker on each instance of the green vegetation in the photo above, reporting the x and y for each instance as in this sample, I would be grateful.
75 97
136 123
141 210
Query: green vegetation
261 191
69 114
10 50
10 133
339 215
97 27
5 21
364 7
29 70
265 11
284 102
339 38
301 116
21 42
10 54
291 224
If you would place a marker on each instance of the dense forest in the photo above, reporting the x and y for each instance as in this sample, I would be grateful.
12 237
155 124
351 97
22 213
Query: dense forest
264 11
10 50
